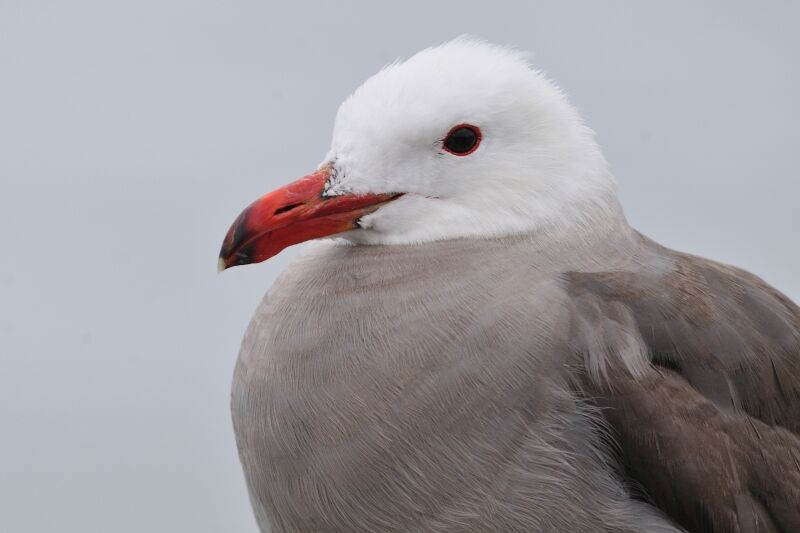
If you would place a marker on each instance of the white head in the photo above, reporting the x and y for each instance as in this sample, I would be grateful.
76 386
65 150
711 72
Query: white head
536 167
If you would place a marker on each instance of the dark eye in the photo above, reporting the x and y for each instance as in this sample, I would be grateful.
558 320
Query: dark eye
462 139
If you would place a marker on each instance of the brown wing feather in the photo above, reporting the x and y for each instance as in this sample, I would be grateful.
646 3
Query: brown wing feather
710 431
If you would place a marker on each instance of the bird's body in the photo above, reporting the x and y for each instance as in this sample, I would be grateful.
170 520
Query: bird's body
496 349
427 398
443 387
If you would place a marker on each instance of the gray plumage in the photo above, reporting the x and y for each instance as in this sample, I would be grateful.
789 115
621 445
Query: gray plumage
532 383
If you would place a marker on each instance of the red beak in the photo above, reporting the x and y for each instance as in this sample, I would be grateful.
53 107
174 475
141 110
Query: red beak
295 213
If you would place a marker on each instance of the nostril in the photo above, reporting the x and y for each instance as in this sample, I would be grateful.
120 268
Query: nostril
286 208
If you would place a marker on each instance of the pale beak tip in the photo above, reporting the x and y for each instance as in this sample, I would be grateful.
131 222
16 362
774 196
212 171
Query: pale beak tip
221 266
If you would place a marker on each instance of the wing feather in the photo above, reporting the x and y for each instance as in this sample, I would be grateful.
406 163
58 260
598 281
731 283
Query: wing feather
711 428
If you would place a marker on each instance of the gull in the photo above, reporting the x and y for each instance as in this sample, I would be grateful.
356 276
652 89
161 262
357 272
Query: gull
479 341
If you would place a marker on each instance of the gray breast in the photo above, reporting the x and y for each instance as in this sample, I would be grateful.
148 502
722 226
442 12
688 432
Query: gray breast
421 389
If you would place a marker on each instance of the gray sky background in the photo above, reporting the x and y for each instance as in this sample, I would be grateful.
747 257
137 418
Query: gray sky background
132 133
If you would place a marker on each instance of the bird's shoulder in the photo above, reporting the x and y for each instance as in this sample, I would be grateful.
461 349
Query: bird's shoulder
696 366
725 331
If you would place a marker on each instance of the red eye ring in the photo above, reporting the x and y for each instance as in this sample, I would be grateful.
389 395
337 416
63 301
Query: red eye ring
462 139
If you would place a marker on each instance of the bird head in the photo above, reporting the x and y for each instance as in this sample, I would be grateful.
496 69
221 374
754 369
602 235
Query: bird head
463 140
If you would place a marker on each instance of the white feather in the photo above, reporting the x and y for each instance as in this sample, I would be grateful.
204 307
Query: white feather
538 167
